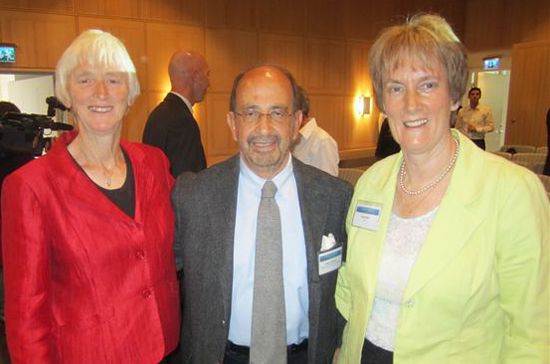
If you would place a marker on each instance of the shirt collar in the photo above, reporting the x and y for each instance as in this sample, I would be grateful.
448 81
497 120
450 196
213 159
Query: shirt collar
184 99
279 179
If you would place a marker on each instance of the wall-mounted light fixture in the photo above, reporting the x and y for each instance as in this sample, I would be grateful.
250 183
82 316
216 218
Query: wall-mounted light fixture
362 105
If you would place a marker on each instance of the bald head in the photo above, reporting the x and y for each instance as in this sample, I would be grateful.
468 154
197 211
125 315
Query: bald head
189 73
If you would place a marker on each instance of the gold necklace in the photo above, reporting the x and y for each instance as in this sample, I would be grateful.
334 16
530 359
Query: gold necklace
433 183
106 172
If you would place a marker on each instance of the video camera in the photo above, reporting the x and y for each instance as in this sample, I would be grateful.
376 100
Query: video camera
25 133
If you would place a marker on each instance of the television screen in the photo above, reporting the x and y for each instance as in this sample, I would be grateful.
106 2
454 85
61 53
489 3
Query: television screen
491 63
7 53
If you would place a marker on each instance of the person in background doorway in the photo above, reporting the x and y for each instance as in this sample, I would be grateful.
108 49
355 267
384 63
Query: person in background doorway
475 119
438 271
88 229
314 145
171 126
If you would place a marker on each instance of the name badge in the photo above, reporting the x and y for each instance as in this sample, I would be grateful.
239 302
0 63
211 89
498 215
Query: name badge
330 260
367 215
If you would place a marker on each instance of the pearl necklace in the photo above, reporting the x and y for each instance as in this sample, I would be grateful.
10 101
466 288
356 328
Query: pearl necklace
433 183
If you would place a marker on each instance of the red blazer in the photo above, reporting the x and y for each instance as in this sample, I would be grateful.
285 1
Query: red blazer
84 282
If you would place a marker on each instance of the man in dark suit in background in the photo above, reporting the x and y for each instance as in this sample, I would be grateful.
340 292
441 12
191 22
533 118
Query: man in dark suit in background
216 217
171 125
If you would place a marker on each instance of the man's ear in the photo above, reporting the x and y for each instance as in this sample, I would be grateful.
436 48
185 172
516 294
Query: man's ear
232 123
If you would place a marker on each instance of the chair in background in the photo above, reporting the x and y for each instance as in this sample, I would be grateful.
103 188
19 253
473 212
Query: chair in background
503 154
532 161
546 183
542 150
519 148
350 174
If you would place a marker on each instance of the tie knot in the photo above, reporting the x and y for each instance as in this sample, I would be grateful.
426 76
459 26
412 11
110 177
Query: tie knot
269 189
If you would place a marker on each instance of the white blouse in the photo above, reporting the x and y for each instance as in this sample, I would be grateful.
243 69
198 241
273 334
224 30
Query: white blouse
404 239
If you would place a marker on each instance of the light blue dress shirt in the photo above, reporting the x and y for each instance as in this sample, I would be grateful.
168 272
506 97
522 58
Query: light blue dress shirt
294 256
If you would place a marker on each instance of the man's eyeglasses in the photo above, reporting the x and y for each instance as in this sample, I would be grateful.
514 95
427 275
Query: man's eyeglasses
253 116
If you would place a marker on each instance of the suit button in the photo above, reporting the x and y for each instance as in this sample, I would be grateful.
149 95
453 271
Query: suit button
140 254
409 303
223 323
146 293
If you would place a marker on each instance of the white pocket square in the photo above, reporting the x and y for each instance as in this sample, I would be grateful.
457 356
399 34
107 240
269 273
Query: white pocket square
327 242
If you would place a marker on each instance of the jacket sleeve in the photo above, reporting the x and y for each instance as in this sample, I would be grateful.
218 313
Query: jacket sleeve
522 266
26 273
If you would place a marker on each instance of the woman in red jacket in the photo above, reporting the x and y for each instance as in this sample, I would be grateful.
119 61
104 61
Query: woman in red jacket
88 229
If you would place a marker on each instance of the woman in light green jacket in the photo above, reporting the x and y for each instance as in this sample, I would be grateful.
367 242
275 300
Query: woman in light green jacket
447 258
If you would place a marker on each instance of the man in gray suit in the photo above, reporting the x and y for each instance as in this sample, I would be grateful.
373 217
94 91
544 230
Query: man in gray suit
216 215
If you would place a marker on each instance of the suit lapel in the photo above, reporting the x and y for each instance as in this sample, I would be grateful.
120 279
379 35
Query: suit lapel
314 210
223 209
453 225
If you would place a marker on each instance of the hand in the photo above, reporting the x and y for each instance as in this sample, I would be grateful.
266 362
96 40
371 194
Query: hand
335 356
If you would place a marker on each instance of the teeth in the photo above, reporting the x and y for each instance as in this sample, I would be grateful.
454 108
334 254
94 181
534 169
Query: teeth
415 123
101 109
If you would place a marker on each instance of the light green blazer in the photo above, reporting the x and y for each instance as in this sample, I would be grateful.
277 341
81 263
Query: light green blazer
478 292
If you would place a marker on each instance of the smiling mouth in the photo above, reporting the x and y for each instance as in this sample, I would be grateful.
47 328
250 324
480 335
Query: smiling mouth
415 123
100 109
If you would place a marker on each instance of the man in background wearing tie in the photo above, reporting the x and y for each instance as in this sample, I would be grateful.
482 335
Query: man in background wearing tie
171 125
260 237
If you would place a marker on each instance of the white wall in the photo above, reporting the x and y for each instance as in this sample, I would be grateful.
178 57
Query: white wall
29 93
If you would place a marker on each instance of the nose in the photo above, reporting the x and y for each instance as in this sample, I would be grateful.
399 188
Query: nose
264 123
411 100
101 89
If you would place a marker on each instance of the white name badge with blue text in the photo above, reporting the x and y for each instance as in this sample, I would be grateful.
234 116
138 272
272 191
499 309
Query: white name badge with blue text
367 215
330 260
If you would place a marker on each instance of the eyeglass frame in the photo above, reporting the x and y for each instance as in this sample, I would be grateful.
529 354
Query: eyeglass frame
268 115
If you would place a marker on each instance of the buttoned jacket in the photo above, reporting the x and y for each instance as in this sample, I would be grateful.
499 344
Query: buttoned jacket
84 282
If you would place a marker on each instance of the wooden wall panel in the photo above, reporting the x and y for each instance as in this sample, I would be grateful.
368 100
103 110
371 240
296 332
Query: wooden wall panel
118 8
357 62
228 54
286 51
282 16
131 33
324 68
493 24
329 114
40 38
327 18
367 18
188 11
54 6
162 40
529 97
219 141
359 133
134 121
233 14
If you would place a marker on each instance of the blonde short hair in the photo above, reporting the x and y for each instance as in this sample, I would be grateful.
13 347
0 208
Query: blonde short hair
426 38
95 48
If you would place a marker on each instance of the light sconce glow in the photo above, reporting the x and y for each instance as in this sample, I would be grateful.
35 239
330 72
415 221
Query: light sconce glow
362 105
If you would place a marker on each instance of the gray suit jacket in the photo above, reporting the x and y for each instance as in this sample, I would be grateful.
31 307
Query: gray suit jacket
205 205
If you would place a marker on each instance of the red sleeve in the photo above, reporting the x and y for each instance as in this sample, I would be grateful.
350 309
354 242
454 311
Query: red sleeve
26 273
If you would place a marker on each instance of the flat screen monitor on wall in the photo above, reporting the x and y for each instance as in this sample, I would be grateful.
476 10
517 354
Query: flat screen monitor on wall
7 53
